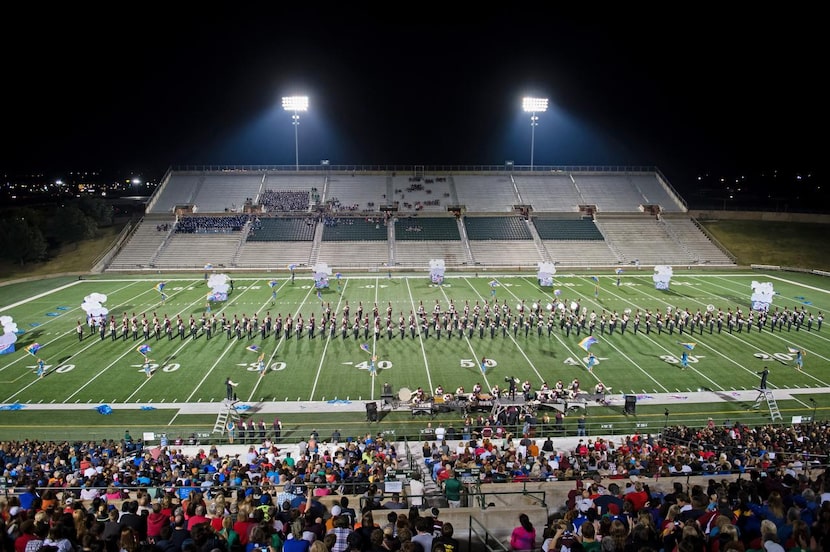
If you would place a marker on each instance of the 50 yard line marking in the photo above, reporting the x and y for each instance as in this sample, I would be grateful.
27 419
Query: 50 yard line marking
470 345
420 336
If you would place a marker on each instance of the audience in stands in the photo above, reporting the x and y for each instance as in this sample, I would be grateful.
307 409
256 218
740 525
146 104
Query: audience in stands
784 500
282 200
210 224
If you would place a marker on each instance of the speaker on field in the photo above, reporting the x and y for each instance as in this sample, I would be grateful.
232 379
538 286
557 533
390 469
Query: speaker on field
630 404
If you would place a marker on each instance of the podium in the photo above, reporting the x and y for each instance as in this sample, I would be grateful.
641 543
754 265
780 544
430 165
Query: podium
387 396
630 404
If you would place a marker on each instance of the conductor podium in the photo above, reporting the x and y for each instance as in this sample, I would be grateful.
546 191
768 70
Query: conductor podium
371 412
630 404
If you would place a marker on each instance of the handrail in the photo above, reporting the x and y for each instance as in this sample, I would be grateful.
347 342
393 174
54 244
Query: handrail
475 528
715 241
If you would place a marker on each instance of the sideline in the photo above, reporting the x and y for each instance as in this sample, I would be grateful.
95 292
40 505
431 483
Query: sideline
41 295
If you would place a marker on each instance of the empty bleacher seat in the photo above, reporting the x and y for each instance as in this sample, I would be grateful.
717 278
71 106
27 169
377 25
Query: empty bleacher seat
497 228
567 229
427 228
282 229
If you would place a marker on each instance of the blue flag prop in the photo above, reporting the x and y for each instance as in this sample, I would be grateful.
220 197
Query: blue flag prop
587 342
33 349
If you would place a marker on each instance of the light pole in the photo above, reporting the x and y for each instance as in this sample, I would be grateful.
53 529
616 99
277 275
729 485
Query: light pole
295 104
534 106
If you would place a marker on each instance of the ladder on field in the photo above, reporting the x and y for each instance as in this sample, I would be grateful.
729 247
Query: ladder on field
766 395
227 413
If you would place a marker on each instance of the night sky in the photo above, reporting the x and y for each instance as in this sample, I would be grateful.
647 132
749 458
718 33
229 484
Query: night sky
688 93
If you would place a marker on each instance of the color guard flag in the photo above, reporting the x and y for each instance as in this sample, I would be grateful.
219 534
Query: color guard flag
587 342
272 283
689 346
338 275
253 348
793 350
144 349
33 349
594 278
208 266
619 271
292 266
160 286
365 347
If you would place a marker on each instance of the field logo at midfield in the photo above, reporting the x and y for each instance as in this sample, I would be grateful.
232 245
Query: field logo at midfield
471 363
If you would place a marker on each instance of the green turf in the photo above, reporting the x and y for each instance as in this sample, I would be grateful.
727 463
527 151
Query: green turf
94 372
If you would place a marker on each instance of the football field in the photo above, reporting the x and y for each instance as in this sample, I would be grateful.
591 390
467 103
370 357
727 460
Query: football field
80 374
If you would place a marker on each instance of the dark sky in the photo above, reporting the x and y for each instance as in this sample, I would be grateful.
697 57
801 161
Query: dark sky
683 92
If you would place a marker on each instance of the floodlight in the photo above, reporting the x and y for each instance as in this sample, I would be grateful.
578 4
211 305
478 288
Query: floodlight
534 106
295 104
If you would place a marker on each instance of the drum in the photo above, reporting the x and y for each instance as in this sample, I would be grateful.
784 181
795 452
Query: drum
485 397
404 394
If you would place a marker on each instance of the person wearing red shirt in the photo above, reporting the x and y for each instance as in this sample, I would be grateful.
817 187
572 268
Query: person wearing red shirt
155 521
638 497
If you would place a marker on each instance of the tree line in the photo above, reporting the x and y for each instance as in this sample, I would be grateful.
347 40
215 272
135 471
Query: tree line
34 233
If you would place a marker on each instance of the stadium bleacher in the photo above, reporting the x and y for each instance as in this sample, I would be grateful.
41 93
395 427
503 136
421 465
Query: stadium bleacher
347 215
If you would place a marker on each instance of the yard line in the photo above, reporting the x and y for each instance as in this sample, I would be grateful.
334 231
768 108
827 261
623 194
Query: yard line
228 348
516 343
655 342
282 337
799 284
72 331
709 347
328 340
128 351
812 334
734 336
374 339
789 342
629 359
420 337
469 344
40 295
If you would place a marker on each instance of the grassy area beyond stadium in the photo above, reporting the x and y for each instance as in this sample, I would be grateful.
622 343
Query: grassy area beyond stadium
82 375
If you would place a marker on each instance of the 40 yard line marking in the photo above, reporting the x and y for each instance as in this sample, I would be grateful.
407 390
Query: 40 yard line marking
420 337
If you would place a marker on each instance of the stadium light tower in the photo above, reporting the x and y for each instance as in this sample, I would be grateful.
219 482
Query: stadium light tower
295 104
534 106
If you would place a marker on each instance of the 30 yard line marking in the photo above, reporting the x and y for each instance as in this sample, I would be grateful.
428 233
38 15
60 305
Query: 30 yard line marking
326 347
